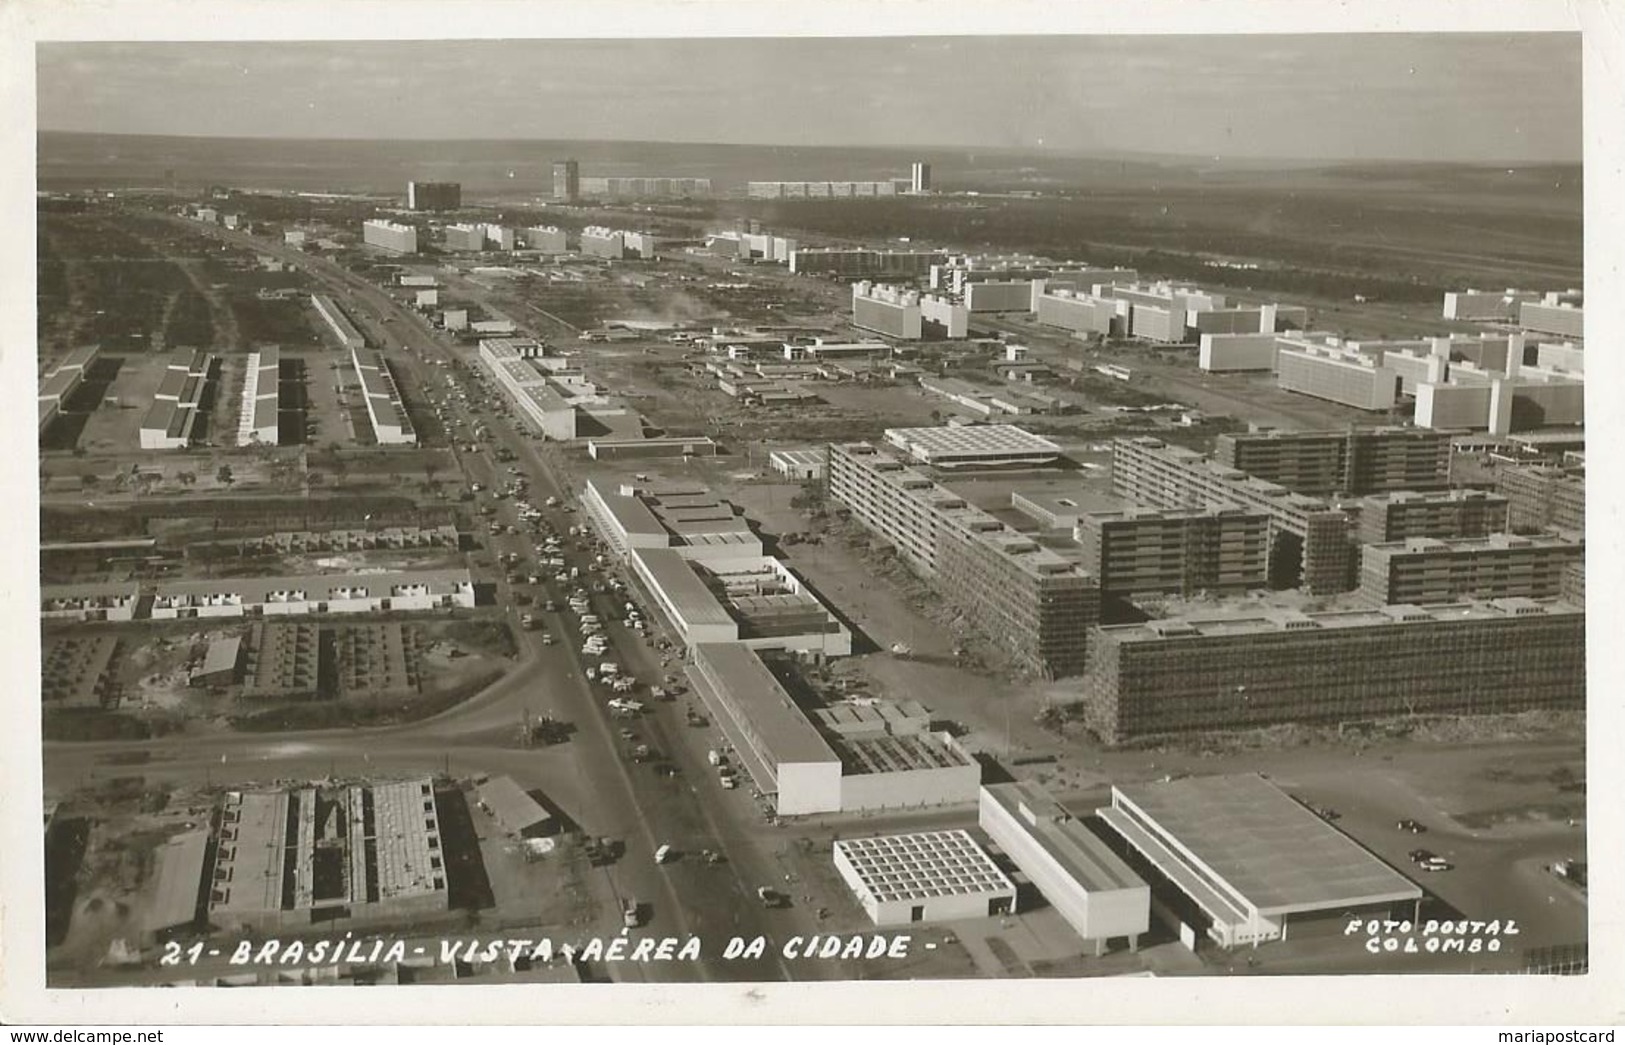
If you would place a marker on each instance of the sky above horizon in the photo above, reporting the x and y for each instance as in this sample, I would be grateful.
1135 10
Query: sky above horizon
1439 97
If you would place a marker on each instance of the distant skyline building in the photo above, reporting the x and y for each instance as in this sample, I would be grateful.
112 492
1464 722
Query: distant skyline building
645 188
399 239
433 195
920 177
567 180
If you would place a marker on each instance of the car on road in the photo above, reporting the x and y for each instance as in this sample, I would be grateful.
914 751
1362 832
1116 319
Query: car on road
1437 863
771 897
1411 826
1418 855
665 854
631 917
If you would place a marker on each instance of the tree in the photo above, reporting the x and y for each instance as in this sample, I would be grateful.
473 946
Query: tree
224 476
88 481
186 478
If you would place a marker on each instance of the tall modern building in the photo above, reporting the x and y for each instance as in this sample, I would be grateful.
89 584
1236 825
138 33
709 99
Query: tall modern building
1183 552
1018 593
567 180
433 195
387 235
920 177
1540 496
1352 461
1244 670
1502 565
1404 514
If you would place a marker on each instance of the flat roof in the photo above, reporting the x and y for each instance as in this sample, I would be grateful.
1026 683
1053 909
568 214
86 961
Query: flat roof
59 384
895 753
1268 620
508 802
923 866
221 656
405 822
801 456
82 356
1084 855
773 717
952 441
318 586
254 855
1266 847
682 587
180 877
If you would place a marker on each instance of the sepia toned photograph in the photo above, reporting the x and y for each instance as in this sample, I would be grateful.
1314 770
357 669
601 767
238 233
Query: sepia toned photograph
781 509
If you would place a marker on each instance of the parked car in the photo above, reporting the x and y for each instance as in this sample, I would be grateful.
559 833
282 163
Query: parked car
1411 826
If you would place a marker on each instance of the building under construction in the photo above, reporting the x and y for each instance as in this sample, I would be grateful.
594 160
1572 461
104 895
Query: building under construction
1542 497
1254 669
1352 461
1311 539
1019 594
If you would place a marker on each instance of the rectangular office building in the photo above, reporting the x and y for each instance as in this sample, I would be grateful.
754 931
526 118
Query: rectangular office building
390 236
1183 552
1248 669
1541 497
1405 514
1020 594
433 195
1502 565
1349 461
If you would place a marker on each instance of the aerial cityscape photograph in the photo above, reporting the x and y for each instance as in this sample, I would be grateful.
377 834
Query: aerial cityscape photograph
685 511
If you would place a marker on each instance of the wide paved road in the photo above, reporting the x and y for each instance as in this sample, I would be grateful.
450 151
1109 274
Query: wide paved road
613 796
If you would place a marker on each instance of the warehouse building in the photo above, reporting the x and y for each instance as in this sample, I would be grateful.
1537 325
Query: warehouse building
327 593
513 809
177 897
177 406
385 409
820 351
1542 497
390 236
222 661
1252 668
1499 566
1098 894
306 855
974 446
1401 515
1014 590
1312 540
257 419
929 876
806 465
433 195
1182 552
1235 860
890 758
60 384
1347 461
337 323
538 396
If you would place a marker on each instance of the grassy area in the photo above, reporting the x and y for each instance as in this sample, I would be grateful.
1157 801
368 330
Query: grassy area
104 725
485 636
359 711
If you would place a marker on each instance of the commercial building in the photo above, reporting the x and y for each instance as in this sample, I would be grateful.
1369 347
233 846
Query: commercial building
513 809
1405 514
1022 595
1347 461
774 742
799 465
1098 894
385 409
688 519
337 323
929 876
257 418
820 350
465 237
1247 669
326 593
1312 540
860 262
919 177
1236 860
756 601
974 446
301 856
1560 313
390 236
545 238
1184 552
1542 497
433 195
566 180
170 422
534 393
651 446
1499 566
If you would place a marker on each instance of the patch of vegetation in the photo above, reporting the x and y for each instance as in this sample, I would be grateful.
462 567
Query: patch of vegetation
485 635
358 712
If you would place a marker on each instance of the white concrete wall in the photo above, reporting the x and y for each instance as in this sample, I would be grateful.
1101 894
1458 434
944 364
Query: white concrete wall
949 785
808 787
